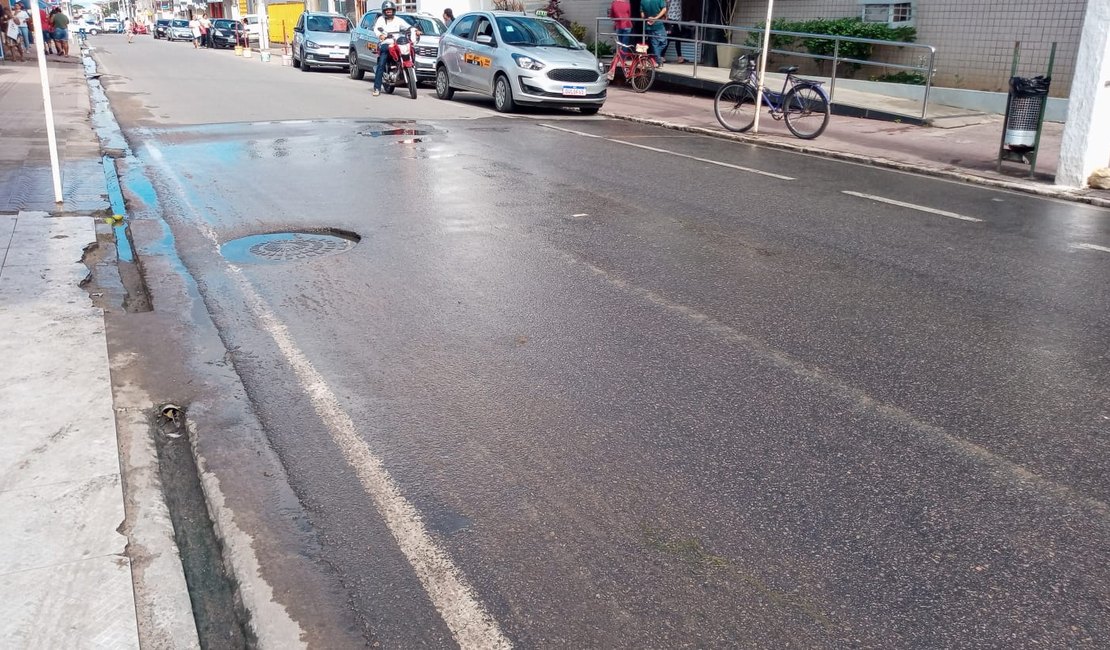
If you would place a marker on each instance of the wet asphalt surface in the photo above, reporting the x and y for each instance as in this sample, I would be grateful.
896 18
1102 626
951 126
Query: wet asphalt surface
642 399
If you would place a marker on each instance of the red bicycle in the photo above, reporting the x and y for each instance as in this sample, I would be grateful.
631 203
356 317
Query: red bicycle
635 64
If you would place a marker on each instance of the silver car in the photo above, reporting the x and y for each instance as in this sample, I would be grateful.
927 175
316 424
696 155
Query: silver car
518 59
320 40
363 55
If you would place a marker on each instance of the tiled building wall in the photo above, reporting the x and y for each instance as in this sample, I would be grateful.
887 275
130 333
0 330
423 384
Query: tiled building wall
974 38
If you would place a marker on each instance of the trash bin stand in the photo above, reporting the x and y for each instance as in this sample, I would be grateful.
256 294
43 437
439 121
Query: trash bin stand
1005 153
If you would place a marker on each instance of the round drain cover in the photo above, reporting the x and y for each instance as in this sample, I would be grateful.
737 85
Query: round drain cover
286 246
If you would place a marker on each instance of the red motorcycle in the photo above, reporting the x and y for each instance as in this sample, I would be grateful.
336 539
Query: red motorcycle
400 68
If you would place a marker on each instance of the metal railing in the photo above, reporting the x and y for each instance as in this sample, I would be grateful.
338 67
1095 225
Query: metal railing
701 29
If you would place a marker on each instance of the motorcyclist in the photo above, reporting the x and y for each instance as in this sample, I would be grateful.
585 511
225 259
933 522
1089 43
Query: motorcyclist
387 27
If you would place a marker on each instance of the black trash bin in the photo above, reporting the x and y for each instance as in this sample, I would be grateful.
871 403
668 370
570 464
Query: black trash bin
1025 108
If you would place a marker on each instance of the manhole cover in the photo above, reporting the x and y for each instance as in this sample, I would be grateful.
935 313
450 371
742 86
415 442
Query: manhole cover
286 246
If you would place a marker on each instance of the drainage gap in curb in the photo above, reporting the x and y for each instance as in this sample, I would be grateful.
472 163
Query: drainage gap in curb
210 590
288 246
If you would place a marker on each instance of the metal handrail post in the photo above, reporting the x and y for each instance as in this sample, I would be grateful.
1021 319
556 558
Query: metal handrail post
697 48
928 81
836 61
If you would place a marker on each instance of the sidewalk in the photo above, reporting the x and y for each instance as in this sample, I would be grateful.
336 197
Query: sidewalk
66 564
966 153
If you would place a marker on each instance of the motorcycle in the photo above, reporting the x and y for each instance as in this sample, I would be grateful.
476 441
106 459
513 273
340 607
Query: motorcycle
400 68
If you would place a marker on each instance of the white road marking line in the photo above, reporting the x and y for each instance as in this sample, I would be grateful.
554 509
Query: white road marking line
912 206
1093 247
447 588
674 153
580 214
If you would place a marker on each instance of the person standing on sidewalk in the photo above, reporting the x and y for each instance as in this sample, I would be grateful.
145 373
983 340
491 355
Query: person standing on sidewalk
676 32
205 30
21 17
45 33
13 47
621 13
653 11
60 22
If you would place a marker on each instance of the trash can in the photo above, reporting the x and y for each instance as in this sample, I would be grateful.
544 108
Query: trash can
1023 115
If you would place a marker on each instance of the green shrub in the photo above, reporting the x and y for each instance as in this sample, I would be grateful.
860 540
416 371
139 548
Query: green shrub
851 27
578 31
902 77
603 49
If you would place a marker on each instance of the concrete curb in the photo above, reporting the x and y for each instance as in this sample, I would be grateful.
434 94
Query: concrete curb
886 163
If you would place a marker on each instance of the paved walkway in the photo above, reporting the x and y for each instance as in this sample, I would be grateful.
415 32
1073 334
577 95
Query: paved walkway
967 153
66 566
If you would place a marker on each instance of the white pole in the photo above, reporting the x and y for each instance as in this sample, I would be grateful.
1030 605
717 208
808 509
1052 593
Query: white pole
1085 145
763 65
263 27
48 106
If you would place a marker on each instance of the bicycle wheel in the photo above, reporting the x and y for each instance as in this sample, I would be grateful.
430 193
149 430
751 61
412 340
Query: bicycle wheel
643 74
806 111
735 106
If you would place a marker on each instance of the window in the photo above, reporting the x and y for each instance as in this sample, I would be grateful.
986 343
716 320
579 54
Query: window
895 14
462 26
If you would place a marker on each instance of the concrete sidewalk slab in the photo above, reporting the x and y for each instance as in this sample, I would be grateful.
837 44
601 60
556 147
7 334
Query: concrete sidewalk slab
65 577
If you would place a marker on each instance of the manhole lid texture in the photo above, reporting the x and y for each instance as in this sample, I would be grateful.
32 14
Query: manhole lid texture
297 247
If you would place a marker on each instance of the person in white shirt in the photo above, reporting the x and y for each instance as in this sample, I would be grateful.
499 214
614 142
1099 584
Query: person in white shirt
387 27
21 21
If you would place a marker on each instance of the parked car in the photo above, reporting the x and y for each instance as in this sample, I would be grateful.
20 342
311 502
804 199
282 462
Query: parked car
363 54
225 33
88 25
254 28
519 59
113 25
179 31
321 39
161 27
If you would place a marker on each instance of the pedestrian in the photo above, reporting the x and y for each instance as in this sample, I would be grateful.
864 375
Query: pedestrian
194 26
205 29
653 11
621 13
448 16
129 27
59 21
9 34
675 32
21 17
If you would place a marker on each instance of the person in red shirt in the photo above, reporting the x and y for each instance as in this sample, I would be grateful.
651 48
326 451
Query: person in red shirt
47 40
621 13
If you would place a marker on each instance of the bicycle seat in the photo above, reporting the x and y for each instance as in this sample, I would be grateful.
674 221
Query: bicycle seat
790 69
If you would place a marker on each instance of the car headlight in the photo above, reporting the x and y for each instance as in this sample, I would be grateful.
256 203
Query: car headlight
527 62
310 45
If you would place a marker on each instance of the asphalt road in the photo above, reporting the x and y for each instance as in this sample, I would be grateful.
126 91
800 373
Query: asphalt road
586 383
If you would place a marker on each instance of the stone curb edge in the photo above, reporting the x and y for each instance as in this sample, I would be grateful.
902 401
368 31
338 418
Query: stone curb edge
1061 194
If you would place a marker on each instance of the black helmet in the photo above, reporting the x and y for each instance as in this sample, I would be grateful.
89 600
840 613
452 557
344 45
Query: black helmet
389 4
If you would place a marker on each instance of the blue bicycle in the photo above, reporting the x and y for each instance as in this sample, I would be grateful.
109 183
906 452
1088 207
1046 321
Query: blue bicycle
802 102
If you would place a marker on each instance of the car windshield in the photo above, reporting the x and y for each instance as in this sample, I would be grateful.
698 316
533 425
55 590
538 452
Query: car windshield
180 23
426 25
163 22
523 30
333 24
224 24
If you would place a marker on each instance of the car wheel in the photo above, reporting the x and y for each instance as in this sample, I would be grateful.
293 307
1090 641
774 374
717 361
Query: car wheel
502 95
296 61
355 71
304 64
443 83
589 110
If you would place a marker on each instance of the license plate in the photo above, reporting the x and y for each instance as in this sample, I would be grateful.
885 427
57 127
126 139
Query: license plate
338 55
574 91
